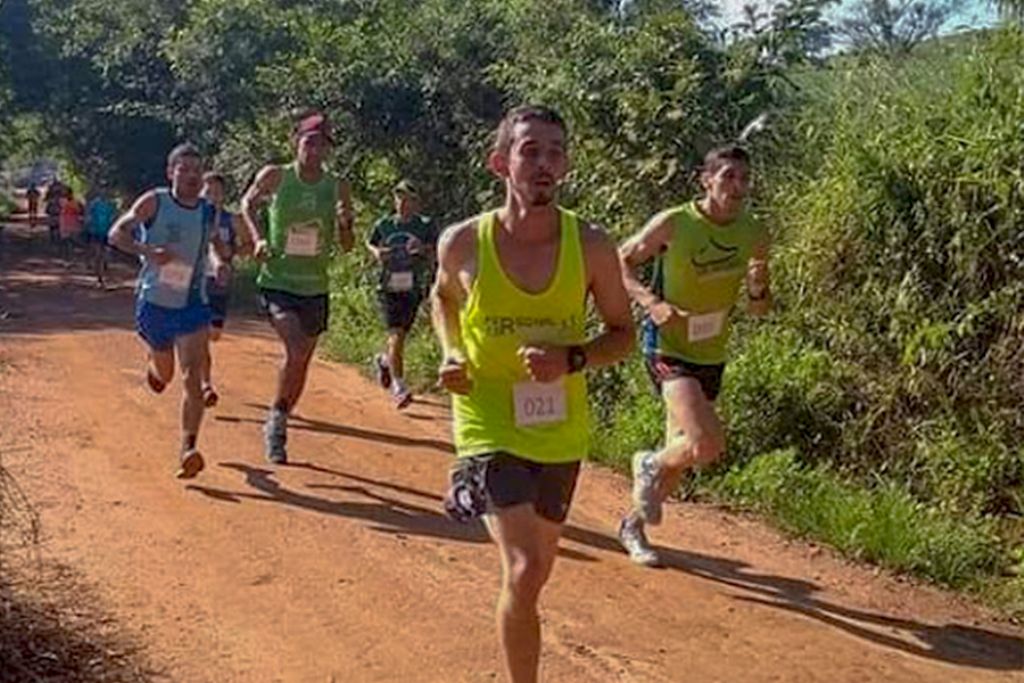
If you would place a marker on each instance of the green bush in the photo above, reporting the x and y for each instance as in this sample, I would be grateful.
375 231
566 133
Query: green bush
781 392
900 254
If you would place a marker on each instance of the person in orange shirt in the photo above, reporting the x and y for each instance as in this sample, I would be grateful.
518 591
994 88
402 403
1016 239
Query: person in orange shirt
71 215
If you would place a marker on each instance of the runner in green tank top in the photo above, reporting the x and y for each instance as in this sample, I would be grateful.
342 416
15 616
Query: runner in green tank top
309 212
704 250
509 306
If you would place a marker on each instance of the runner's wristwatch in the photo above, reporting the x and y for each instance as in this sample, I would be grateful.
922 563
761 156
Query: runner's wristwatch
577 359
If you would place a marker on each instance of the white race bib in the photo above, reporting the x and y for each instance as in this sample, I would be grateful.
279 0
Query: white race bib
539 403
303 239
707 326
401 281
176 275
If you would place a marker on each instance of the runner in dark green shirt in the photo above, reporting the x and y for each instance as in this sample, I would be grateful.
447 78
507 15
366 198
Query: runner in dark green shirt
405 244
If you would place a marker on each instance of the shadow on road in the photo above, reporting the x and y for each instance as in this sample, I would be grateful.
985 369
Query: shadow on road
296 421
952 643
386 514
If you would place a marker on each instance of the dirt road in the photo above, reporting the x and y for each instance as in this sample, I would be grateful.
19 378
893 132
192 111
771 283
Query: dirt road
342 566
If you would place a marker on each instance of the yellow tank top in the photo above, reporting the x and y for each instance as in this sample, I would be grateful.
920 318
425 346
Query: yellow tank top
505 411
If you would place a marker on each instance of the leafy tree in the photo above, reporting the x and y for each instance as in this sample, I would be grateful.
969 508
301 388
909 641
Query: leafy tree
792 32
1012 9
895 27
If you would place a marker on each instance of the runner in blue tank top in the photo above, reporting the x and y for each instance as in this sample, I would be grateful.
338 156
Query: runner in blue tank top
172 313
218 284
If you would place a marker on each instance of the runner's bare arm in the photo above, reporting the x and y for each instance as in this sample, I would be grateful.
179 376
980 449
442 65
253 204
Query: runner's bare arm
243 240
641 248
220 252
346 236
259 193
454 278
605 281
759 291
120 234
378 252
456 253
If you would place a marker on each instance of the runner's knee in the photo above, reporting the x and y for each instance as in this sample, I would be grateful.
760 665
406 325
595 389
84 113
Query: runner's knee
527 574
697 450
707 449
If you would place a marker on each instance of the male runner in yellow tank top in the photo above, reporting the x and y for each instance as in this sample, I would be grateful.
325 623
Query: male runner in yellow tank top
509 306
704 251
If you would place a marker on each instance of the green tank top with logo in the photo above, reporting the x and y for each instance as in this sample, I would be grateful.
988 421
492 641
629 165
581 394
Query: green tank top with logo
301 235
701 272
505 411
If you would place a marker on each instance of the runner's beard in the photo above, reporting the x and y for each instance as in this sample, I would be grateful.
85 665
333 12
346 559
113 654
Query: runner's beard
543 198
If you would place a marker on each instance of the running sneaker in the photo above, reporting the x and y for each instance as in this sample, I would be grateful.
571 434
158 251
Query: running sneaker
275 435
634 540
645 487
155 384
191 464
383 371
402 398
210 396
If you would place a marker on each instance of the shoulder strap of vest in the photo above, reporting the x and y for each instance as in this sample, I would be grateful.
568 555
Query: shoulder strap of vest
485 247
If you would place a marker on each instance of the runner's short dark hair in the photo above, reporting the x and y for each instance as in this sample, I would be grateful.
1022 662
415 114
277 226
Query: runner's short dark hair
526 112
214 176
719 155
185 149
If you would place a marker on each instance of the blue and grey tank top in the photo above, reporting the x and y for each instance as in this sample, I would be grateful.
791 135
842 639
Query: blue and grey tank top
185 232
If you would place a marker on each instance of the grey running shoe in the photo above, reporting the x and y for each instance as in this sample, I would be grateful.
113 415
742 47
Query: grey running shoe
383 371
645 487
634 540
402 398
275 436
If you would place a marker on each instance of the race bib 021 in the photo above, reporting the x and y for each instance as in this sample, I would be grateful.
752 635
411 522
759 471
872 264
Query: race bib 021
539 403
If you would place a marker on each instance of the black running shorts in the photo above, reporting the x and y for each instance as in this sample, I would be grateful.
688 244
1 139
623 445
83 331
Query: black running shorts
508 480
661 369
311 310
398 309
